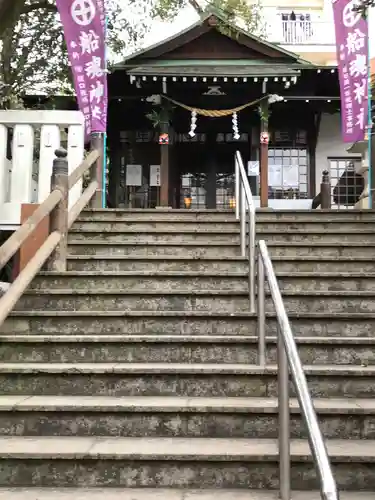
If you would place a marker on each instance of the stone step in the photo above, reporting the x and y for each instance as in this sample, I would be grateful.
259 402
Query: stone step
34 493
229 301
168 226
178 349
192 250
227 225
179 379
159 323
178 417
163 215
185 280
147 280
166 263
315 237
287 263
282 263
226 215
156 237
164 237
298 250
176 462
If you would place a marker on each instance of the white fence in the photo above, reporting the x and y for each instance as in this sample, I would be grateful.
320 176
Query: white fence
302 32
26 178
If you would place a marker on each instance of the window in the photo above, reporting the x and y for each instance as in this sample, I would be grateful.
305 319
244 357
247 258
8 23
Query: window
288 173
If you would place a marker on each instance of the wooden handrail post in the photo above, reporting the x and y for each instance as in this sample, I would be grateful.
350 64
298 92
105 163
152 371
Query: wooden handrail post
325 191
59 215
96 171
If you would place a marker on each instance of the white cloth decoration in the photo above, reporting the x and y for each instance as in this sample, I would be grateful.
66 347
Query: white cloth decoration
236 134
274 98
193 123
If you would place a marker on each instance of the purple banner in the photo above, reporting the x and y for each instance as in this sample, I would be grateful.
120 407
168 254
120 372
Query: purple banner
352 58
84 28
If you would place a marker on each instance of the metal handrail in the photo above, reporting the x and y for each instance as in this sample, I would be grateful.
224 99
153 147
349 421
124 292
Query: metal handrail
288 357
245 206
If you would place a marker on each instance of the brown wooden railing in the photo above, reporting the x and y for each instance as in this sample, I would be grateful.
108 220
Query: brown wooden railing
53 251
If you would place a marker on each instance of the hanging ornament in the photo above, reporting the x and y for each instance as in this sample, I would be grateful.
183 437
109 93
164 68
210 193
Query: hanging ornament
236 134
193 123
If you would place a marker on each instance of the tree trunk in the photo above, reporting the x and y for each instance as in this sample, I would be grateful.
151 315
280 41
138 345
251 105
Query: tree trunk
10 11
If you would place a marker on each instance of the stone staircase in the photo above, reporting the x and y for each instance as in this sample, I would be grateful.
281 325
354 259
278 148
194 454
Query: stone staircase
134 375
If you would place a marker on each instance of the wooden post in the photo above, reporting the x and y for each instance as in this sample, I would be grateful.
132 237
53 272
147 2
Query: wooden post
59 215
164 162
96 171
264 154
325 191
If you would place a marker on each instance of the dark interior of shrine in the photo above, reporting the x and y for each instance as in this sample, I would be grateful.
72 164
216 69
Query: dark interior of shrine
202 167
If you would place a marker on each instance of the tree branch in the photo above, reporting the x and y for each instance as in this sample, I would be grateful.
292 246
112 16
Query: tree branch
196 6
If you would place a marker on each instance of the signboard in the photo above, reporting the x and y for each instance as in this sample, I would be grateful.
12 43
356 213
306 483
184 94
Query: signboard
352 55
290 176
275 175
253 168
85 35
134 175
155 175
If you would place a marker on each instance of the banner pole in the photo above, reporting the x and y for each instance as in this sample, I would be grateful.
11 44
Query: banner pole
104 173
369 113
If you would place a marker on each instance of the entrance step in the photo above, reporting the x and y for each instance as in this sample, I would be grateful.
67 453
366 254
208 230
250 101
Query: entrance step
157 263
286 263
227 224
176 462
282 263
213 280
159 323
300 216
317 236
163 215
179 379
164 494
178 417
192 249
319 251
178 349
229 301
219 236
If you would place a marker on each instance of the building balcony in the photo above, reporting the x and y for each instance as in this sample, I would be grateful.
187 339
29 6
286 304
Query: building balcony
302 33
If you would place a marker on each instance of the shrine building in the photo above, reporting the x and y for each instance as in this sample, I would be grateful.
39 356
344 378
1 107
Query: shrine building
164 152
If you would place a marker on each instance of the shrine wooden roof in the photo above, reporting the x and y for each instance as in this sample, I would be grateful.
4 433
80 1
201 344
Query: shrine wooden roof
206 48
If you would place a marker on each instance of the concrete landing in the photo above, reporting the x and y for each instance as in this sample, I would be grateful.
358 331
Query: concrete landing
161 494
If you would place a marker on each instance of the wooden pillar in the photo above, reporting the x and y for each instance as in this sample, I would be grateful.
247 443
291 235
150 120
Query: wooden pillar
97 170
164 161
58 220
254 156
325 191
264 154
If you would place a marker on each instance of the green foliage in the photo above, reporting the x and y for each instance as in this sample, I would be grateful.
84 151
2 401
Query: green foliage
239 13
33 56
363 5
33 52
